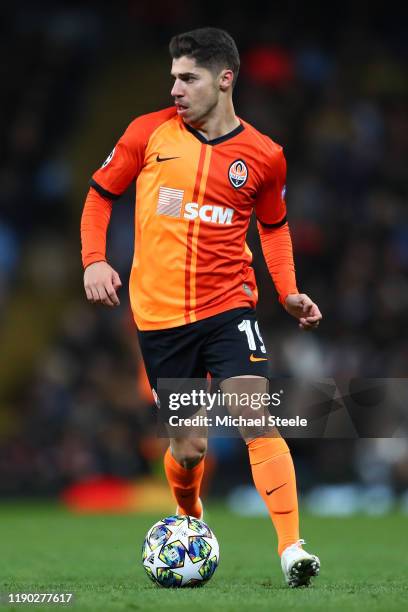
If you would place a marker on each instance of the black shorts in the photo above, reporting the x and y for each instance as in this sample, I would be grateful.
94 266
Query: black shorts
224 345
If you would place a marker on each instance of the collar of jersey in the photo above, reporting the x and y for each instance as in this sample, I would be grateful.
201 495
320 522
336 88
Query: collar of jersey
214 141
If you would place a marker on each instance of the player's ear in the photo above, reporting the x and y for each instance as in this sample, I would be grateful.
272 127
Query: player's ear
226 79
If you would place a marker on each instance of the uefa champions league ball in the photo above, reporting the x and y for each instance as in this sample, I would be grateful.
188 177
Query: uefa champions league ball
180 551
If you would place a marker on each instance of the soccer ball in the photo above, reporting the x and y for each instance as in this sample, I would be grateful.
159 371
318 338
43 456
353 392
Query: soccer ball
180 551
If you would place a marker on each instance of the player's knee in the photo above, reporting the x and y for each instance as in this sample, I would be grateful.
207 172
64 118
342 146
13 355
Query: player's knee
192 455
189 452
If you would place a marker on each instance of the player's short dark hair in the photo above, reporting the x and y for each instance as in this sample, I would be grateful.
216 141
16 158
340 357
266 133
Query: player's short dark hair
211 48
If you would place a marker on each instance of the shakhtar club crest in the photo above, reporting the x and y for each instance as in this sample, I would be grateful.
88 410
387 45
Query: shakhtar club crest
238 173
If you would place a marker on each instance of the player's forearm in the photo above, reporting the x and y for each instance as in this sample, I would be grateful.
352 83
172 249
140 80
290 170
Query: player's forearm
278 253
94 225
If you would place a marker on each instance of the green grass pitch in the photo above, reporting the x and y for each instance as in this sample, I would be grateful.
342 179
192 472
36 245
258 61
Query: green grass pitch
364 563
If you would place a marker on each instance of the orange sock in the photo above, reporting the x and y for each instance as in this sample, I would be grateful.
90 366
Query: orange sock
275 480
184 484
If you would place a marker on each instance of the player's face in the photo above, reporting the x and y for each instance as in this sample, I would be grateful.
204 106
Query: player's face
195 91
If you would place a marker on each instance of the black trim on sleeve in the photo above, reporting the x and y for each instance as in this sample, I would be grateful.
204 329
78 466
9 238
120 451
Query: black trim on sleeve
279 224
103 192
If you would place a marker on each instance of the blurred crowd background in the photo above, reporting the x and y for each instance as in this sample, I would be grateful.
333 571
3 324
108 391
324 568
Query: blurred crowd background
333 90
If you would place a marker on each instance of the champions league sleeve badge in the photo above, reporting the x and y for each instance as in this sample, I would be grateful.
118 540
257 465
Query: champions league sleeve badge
109 158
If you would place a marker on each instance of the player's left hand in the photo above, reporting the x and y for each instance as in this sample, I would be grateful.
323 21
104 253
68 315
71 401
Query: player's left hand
300 306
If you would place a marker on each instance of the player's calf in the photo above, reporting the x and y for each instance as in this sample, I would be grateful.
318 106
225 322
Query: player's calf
185 482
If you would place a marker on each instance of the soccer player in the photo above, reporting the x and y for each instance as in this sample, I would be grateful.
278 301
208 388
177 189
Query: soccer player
200 173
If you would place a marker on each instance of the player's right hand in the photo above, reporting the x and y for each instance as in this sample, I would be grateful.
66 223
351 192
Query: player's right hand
101 282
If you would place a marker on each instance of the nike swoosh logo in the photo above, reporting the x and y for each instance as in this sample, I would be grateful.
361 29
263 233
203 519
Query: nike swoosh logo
160 159
253 358
275 489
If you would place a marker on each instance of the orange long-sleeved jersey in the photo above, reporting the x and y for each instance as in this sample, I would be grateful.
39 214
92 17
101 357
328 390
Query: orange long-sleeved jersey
194 200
